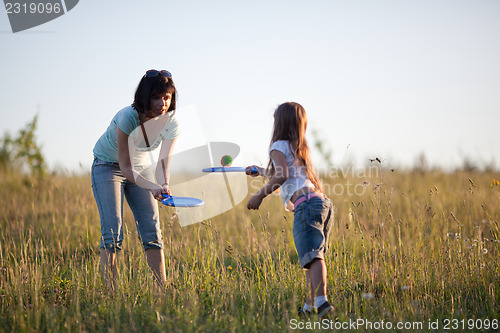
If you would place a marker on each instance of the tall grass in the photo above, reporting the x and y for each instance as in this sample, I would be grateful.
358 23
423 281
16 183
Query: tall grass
411 247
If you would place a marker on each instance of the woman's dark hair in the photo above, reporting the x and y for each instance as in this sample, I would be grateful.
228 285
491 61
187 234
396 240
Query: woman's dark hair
153 87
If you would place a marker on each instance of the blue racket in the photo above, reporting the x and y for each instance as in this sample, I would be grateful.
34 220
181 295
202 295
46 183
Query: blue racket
174 201
253 170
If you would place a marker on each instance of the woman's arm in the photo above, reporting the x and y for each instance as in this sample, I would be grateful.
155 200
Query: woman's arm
279 177
126 165
162 168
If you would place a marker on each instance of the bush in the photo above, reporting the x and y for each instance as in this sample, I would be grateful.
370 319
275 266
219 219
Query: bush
23 153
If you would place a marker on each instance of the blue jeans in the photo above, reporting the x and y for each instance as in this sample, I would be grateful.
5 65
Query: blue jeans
312 222
110 186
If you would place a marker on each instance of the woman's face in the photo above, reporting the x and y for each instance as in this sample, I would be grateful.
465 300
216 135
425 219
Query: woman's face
159 105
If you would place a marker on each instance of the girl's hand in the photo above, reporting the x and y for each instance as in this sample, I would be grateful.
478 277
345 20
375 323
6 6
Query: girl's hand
254 202
248 171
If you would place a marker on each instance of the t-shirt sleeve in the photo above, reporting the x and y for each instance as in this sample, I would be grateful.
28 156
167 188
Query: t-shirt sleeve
281 146
126 120
171 129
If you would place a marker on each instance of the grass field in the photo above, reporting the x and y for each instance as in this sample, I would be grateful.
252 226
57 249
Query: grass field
409 247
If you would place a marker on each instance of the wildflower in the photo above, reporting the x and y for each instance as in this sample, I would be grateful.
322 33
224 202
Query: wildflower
367 295
485 251
229 267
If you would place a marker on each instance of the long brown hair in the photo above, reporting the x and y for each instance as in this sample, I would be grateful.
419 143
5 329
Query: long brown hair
290 123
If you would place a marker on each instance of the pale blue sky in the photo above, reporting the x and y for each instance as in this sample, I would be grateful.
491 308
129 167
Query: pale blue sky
391 79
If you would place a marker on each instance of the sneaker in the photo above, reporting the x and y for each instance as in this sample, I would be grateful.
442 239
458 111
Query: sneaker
303 314
324 310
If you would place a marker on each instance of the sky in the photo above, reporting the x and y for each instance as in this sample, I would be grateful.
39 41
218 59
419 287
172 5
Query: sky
387 79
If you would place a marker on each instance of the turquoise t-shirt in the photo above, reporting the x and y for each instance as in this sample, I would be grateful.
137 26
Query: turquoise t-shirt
127 119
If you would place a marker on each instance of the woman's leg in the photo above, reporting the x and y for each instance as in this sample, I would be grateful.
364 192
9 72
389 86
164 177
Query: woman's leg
156 261
107 185
146 214
109 266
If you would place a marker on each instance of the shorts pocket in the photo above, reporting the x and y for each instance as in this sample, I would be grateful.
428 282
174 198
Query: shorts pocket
317 212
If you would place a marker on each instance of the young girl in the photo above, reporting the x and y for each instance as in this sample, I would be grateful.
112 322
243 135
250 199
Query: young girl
291 170
121 168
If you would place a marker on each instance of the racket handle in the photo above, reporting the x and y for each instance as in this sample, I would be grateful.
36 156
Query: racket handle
254 170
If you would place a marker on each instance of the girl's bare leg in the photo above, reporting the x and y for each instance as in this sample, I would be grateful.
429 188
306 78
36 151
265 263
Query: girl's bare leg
310 294
317 273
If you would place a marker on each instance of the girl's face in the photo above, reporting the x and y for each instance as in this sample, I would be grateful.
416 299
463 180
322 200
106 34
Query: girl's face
159 105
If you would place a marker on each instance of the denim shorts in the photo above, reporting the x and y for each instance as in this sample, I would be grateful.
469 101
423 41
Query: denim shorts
312 222
110 187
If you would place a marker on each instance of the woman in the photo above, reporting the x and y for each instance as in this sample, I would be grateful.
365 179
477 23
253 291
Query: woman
121 168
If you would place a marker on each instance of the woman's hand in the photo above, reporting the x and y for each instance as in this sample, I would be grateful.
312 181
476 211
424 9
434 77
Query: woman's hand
255 201
160 191
165 189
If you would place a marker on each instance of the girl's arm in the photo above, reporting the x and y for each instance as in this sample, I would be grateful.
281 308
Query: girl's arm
163 165
279 177
126 166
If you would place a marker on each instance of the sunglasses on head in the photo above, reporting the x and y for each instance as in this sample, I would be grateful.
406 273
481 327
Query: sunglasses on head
155 73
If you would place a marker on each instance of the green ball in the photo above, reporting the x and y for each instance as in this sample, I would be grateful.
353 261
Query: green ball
226 160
